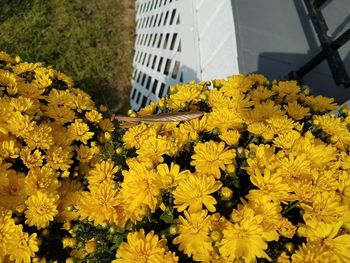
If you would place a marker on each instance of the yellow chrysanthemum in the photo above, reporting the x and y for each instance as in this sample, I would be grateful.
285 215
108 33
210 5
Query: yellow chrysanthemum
194 192
153 148
59 158
170 176
40 137
93 116
296 111
101 203
102 171
210 157
13 194
245 239
230 137
79 131
140 187
313 253
41 209
7 230
137 134
23 247
223 119
320 103
325 208
141 248
41 179
193 238
31 158
270 185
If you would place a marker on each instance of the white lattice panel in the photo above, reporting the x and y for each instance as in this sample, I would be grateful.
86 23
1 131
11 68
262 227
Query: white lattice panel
179 41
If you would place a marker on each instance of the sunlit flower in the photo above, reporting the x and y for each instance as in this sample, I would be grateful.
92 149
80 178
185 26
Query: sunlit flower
141 248
102 171
210 157
245 239
79 131
101 203
194 192
193 238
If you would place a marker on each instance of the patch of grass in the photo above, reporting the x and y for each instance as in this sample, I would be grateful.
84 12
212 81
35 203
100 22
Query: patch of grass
89 40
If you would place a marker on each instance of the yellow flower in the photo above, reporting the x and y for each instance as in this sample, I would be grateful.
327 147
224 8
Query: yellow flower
85 153
296 111
21 104
102 171
40 137
79 131
82 101
286 140
141 248
231 137
23 247
193 238
336 128
320 104
106 125
194 191
184 94
325 208
234 84
137 134
264 110
41 209
210 157
69 242
270 185
60 97
6 57
287 90
223 119
93 116
9 149
261 93
101 203
293 166
59 158
313 252
41 179
63 77
7 230
90 246
61 114
153 149
31 158
170 176
13 194
140 187
286 228
20 125
271 212
25 67
70 193
245 239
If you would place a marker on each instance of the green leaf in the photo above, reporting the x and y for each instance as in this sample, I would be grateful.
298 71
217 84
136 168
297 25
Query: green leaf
117 240
167 217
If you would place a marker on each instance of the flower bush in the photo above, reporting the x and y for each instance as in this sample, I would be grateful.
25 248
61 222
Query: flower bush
262 176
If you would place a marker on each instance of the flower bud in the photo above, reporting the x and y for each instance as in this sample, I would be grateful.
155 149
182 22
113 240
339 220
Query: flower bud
90 246
173 230
119 150
289 247
226 193
230 168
